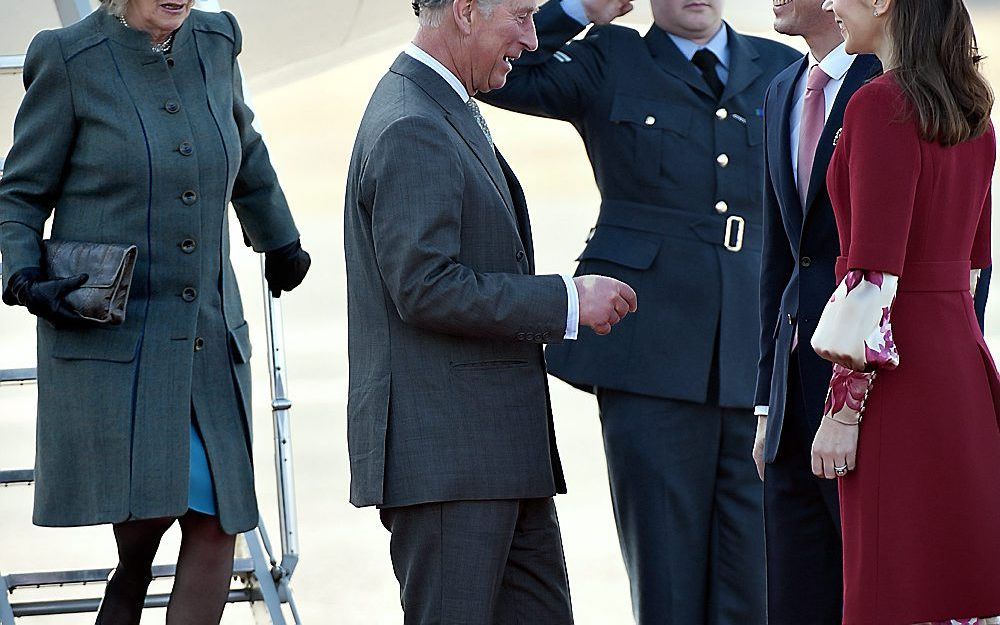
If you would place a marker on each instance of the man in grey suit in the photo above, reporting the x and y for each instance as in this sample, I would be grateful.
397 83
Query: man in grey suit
449 420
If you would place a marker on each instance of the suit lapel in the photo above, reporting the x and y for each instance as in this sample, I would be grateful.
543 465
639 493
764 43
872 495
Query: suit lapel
521 211
789 192
743 68
671 61
861 70
459 116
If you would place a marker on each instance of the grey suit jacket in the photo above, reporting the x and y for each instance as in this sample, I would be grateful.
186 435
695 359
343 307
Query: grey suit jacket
448 396
124 145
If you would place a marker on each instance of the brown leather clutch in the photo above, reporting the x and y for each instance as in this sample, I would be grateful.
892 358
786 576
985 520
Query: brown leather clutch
109 267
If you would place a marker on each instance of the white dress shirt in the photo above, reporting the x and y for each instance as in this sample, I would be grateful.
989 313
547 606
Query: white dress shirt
836 65
572 296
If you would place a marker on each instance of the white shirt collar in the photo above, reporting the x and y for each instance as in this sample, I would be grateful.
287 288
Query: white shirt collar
413 51
719 45
836 64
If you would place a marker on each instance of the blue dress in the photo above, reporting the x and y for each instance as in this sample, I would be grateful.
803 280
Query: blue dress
201 494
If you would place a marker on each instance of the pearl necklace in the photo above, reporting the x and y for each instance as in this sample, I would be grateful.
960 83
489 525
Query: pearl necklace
162 48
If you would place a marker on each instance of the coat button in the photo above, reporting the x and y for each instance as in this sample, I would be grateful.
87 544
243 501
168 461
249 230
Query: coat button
186 148
188 246
172 107
650 120
721 208
189 294
170 61
199 343
805 261
189 197
519 255
722 160
721 114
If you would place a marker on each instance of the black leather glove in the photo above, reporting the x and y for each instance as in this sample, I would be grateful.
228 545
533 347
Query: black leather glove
285 267
44 298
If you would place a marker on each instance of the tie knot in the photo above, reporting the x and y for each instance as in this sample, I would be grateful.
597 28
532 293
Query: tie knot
818 79
705 60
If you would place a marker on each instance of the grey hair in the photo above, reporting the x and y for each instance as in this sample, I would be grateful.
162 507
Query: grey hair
431 12
115 7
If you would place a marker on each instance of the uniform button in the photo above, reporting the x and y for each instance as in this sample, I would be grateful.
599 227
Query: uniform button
722 160
189 294
805 261
188 246
721 208
172 107
519 255
650 120
189 197
721 114
186 148
199 343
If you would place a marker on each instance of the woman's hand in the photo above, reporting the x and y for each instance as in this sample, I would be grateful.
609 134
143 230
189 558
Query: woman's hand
286 267
835 447
45 298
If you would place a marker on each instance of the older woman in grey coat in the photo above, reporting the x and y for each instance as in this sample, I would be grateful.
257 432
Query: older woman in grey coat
134 130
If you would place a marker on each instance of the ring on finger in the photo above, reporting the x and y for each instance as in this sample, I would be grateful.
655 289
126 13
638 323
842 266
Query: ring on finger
840 471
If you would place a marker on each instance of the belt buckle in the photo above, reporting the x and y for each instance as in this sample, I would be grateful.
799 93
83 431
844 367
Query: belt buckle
741 226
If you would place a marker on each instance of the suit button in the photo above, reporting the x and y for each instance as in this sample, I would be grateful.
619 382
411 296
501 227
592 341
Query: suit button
546 335
189 294
199 343
172 107
650 120
520 336
188 246
519 255
722 208
722 160
186 148
805 261
721 114
189 197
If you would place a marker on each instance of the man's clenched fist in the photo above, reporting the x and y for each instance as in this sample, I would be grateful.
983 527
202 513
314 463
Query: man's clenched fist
606 11
603 301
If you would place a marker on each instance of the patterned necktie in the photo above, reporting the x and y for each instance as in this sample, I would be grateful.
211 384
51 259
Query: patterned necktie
474 107
813 121
705 60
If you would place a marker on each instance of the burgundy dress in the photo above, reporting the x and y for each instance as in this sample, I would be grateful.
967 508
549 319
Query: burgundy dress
921 513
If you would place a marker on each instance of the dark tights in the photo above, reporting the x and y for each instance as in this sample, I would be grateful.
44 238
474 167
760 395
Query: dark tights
201 584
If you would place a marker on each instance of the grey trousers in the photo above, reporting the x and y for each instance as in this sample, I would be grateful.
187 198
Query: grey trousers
688 504
480 563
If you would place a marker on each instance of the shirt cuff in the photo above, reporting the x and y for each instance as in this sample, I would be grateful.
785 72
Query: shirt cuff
760 411
574 9
572 309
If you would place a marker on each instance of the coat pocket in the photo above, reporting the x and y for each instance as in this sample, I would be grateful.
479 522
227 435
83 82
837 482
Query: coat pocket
239 343
489 365
621 247
110 345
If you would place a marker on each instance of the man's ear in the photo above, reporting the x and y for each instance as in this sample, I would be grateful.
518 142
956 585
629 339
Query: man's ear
461 10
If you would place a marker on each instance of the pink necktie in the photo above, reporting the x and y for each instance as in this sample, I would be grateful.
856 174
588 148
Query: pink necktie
813 121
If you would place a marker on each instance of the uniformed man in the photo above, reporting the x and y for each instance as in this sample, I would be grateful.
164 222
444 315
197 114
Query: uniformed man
672 122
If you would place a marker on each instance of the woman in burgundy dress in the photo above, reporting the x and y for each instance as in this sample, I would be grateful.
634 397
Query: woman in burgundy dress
910 183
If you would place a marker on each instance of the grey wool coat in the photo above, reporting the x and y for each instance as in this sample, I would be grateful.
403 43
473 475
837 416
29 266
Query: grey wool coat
121 144
448 398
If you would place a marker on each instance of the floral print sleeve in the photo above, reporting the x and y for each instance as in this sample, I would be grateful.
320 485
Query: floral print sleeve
855 333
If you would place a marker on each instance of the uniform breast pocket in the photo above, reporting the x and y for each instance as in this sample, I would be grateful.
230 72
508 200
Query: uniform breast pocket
658 134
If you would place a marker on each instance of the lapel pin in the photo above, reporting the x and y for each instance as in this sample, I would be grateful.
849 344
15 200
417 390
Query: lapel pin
836 137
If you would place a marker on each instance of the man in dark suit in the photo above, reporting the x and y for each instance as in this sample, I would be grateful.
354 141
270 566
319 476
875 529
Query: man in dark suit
804 112
672 122
449 423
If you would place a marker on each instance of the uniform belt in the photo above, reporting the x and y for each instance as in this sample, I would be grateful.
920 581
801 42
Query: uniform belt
952 275
732 232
